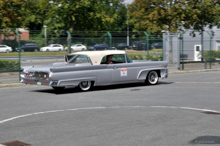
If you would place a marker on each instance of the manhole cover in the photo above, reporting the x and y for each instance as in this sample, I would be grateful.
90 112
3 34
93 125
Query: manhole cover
211 112
15 143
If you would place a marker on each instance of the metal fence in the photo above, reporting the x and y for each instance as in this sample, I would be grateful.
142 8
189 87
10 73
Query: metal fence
181 50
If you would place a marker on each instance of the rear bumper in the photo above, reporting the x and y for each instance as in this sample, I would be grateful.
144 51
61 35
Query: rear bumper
35 82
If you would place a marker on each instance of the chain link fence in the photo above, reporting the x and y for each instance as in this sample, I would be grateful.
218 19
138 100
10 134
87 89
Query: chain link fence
181 50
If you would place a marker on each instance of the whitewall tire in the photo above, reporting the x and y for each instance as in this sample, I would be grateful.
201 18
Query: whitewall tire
152 78
85 85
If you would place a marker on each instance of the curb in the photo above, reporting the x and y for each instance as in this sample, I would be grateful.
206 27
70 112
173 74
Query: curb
11 85
192 71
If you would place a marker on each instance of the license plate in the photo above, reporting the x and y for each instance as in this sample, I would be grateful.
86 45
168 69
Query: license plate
39 83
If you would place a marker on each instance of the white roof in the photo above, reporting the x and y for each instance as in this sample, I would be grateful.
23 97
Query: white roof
96 56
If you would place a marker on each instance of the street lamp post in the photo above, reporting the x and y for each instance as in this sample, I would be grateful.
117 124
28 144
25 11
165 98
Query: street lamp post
45 33
202 36
127 27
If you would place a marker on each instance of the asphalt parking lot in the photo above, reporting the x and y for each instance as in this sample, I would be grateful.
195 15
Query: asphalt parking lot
181 110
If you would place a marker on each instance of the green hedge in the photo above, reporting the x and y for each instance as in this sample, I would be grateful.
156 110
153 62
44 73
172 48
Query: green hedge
214 55
9 65
144 57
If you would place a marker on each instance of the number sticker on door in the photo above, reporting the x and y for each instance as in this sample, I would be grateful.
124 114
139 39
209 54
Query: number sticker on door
123 71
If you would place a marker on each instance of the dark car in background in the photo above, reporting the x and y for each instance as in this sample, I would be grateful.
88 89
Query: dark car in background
98 47
121 46
140 45
29 48
157 45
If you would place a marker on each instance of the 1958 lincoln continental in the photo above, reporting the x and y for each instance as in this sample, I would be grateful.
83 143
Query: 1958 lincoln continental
87 69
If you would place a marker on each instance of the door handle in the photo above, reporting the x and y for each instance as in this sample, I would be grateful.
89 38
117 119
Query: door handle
114 67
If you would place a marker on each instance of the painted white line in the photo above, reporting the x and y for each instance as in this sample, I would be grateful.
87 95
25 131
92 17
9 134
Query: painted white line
200 82
113 107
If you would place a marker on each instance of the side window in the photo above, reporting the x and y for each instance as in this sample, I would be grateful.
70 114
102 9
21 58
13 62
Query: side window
81 59
117 58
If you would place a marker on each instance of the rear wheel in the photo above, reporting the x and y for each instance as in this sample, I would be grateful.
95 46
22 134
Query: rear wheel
22 50
152 78
85 85
35 50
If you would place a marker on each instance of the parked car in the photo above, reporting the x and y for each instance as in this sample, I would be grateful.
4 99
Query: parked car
86 69
98 47
29 48
77 47
5 48
157 45
121 46
140 45
52 47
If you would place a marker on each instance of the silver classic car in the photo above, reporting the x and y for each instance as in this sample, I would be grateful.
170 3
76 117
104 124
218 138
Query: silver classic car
87 69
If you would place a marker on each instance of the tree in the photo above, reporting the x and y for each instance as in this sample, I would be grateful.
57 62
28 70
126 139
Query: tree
76 15
10 14
173 15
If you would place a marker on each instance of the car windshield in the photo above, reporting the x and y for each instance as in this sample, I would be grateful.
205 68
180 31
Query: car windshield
96 45
71 58
73 45
50 45
128 59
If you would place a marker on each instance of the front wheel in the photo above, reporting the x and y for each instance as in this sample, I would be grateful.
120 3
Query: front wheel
7 51
35 50
22 50
85 85
152 78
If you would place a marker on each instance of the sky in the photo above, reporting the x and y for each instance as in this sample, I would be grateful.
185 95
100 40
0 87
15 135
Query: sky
128 1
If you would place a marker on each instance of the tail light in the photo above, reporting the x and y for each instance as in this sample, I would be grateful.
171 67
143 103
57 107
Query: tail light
29 75
137 46
46 76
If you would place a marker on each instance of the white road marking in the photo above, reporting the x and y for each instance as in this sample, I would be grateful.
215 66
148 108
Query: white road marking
200 82
113 107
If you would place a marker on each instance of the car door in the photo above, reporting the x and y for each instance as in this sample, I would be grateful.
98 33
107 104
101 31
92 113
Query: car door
78 47
27 48
123 71
54 48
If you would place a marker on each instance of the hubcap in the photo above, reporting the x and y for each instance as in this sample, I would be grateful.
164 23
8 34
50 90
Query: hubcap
84 84
152 77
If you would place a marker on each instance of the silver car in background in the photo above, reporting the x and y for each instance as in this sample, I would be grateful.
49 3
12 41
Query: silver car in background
87 69
77 47
52 47
5 48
